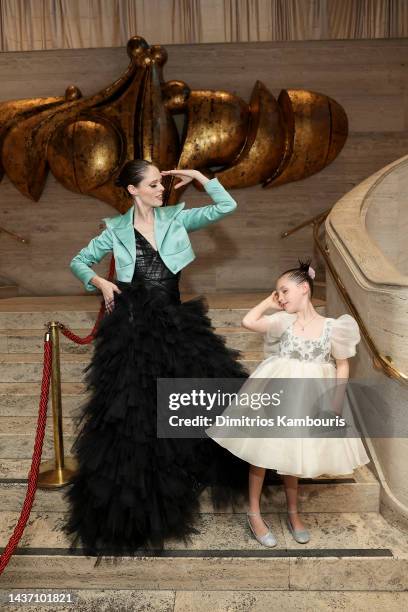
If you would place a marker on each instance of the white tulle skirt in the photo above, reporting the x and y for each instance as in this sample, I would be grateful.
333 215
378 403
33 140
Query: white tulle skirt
305 457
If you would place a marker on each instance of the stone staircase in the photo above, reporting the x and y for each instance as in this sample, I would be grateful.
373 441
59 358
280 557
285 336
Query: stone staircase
8 289
354 558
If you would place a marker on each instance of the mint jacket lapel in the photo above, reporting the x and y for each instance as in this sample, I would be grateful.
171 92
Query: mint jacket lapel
123 230
163 217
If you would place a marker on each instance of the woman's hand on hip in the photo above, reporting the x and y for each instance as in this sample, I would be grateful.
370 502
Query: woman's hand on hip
108 290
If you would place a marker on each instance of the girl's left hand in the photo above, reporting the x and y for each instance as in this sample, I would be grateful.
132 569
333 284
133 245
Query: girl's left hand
186 176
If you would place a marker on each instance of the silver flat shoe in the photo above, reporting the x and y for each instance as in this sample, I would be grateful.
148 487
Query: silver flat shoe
300 535
268 539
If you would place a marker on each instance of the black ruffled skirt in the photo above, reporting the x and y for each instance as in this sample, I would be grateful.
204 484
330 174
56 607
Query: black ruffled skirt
132 489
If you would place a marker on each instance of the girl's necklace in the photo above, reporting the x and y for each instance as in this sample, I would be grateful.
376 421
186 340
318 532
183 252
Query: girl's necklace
303 327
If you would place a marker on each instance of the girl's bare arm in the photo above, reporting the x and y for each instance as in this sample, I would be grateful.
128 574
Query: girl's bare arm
255 319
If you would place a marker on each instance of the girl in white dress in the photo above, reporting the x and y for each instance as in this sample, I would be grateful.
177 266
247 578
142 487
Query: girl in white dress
309 346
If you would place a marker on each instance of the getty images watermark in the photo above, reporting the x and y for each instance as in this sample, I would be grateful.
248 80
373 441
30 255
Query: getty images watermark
278 407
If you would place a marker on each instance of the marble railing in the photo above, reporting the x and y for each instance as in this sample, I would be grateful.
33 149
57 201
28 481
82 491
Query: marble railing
367 238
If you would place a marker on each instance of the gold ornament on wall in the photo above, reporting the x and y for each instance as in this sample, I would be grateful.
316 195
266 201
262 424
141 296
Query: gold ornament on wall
85 141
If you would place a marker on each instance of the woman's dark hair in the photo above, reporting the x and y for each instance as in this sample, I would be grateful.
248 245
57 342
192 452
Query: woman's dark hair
132 173
300 274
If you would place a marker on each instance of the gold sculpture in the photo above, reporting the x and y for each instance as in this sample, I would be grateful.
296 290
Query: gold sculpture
85 141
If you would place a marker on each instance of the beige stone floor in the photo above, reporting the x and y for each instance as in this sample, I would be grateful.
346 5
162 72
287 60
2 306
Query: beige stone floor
343 530
116 600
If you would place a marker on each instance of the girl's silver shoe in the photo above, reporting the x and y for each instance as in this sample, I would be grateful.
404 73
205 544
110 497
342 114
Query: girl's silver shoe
300 535
268 539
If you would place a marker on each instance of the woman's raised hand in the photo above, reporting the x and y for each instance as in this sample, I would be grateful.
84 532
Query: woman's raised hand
186 176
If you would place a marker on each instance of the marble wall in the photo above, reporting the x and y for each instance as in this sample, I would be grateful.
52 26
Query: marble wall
387 216
368 249
245 251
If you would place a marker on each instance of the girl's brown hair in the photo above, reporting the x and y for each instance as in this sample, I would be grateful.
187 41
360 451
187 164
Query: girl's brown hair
300 274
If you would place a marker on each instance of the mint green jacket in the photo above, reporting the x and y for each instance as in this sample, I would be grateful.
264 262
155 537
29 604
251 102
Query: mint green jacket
171 227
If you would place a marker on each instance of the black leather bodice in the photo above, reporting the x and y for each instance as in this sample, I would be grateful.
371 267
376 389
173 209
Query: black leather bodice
152 272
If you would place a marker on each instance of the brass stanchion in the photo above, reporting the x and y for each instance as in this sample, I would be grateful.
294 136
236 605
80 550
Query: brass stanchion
56 473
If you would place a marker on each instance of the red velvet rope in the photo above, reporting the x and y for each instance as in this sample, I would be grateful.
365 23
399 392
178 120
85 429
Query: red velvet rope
35 462
41 423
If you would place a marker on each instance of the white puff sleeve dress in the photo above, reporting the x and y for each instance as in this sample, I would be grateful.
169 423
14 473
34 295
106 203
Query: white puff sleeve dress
291 356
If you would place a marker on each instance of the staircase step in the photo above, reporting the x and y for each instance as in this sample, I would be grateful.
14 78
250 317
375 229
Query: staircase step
28 367
319 290
8 291
79 312
221 317
358 492
290 600
22 398
207 601
347 551
32 340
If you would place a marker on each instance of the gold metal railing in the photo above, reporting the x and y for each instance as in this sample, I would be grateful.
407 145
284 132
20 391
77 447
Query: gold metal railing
14 235
380 362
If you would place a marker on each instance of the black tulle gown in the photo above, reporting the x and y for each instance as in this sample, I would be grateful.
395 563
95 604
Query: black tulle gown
133 490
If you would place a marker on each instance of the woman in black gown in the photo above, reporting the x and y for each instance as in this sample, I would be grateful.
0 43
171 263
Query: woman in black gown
133 489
